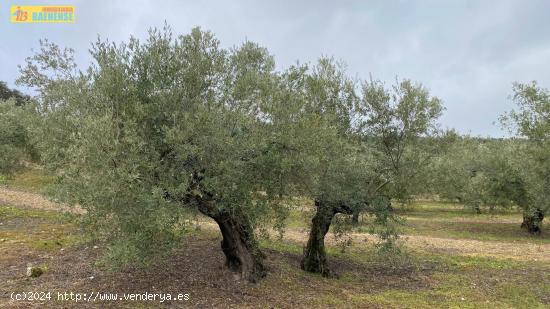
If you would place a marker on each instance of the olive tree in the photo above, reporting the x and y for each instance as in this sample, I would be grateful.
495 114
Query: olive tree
399 125
323 98
153 128
481 173
531 121
371 159
331 164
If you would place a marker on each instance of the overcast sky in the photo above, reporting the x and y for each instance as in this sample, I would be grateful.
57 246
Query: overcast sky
468 53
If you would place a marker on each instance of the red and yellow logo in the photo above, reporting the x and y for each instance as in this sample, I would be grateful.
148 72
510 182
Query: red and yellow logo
42 14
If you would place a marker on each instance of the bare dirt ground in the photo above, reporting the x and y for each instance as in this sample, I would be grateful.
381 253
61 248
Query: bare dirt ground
197 268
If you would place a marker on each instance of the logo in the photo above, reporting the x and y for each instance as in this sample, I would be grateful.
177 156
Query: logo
42 14
20 16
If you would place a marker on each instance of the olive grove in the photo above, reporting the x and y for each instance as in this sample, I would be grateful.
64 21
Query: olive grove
153 128
152 131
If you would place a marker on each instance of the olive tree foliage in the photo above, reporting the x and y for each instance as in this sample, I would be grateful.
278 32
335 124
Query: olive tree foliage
15 142
399 124
17 117
7 93
481 173
531 121
503 173
458 174
450 172
151 129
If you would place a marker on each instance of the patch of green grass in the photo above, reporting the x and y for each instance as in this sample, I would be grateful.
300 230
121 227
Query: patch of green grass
485 231
332 300
477 282
447 295
521 296
458 291
471 263
299 218
470 282
56 241
9 212
281 246
39 229
427 209
447 220
63 236
42 235
31 179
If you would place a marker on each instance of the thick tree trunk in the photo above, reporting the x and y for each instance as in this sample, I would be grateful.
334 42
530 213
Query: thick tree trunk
242 254
532 221
315 259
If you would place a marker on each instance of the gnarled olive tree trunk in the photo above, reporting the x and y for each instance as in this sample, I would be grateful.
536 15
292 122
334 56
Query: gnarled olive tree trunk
242 254
532 221
315 259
